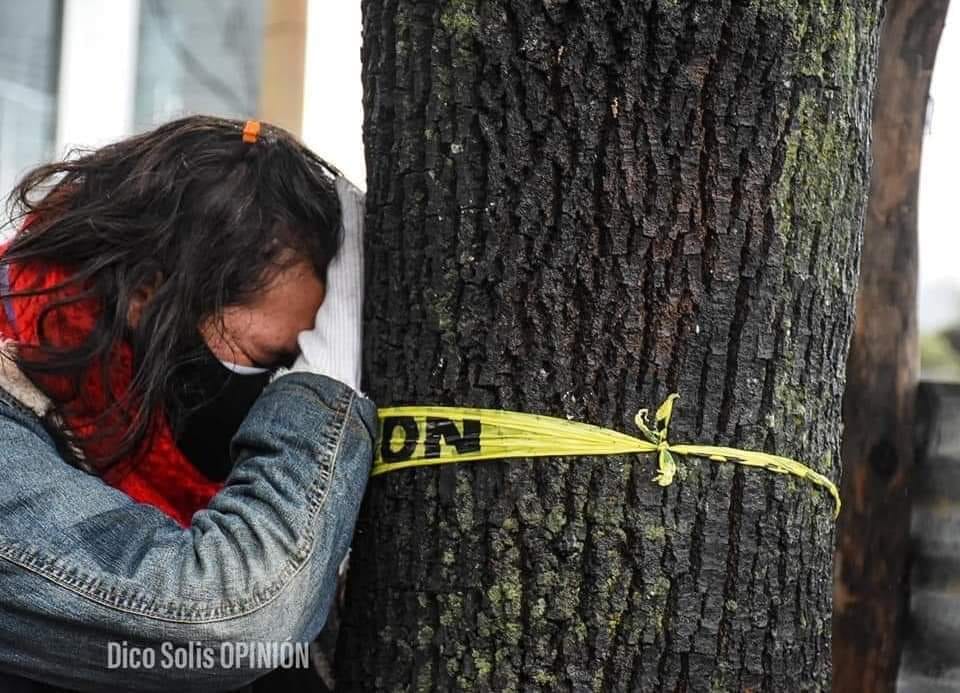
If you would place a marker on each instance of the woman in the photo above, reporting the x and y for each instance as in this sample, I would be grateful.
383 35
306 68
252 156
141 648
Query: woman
183 447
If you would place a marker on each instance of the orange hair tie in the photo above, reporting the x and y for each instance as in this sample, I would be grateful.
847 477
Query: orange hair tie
250 131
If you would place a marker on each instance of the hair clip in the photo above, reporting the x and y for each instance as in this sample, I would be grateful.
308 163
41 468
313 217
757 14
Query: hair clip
250 131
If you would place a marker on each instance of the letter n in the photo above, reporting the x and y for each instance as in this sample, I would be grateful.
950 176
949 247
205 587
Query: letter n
468 441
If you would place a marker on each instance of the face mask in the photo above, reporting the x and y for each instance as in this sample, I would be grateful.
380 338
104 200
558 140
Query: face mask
209 400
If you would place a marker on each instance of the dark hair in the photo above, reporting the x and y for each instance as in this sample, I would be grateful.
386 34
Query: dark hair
189 208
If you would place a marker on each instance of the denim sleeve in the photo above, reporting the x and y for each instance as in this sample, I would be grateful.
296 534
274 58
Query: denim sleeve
82 564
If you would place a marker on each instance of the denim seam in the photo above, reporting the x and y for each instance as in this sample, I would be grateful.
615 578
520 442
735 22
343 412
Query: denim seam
85 585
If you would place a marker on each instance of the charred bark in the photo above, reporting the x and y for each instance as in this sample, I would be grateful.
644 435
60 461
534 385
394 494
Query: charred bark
576 208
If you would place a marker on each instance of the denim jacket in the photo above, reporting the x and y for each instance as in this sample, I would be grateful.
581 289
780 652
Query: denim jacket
82 564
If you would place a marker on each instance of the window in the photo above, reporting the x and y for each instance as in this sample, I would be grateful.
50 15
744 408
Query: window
198 57
29 65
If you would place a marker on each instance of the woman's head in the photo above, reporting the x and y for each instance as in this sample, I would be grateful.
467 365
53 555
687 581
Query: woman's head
182 231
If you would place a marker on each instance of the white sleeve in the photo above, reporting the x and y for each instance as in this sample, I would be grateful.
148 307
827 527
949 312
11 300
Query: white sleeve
333 346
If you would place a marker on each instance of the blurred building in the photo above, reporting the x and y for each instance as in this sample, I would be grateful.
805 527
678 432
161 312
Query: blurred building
29 66
81 73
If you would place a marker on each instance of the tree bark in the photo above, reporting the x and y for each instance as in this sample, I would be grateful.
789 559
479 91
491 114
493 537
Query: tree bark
576 208
878 408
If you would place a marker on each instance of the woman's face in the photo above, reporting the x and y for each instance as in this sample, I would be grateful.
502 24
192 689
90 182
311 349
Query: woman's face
264 332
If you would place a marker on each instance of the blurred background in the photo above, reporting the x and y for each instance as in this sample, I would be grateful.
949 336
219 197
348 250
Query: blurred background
939 288
86 72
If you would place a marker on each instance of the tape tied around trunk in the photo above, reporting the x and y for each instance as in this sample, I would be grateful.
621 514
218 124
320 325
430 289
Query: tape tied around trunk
420 436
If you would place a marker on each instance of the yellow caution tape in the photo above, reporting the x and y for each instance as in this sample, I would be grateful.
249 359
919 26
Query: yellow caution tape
418 436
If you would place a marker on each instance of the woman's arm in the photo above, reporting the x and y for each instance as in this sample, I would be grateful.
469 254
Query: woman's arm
82 565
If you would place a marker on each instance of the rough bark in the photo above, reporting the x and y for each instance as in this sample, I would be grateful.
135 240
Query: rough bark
882 369
576 208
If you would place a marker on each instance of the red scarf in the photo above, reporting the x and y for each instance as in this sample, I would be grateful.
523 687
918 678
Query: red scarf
157 473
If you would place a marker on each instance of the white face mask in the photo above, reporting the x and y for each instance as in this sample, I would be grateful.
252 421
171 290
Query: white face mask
243 370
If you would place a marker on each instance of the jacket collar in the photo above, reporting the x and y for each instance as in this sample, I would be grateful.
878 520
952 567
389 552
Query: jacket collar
15 382
21 388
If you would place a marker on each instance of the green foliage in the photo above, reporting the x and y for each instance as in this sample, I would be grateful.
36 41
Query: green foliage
939 359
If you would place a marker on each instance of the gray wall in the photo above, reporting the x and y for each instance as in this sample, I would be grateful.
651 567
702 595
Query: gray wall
29 65
198 57
931 657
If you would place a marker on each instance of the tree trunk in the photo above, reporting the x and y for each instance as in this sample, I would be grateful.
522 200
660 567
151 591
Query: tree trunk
576 208
878 407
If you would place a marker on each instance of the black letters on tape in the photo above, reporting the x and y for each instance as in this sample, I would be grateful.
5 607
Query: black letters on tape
436 428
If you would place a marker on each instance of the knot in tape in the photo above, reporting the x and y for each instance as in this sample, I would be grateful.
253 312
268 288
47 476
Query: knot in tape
666 465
